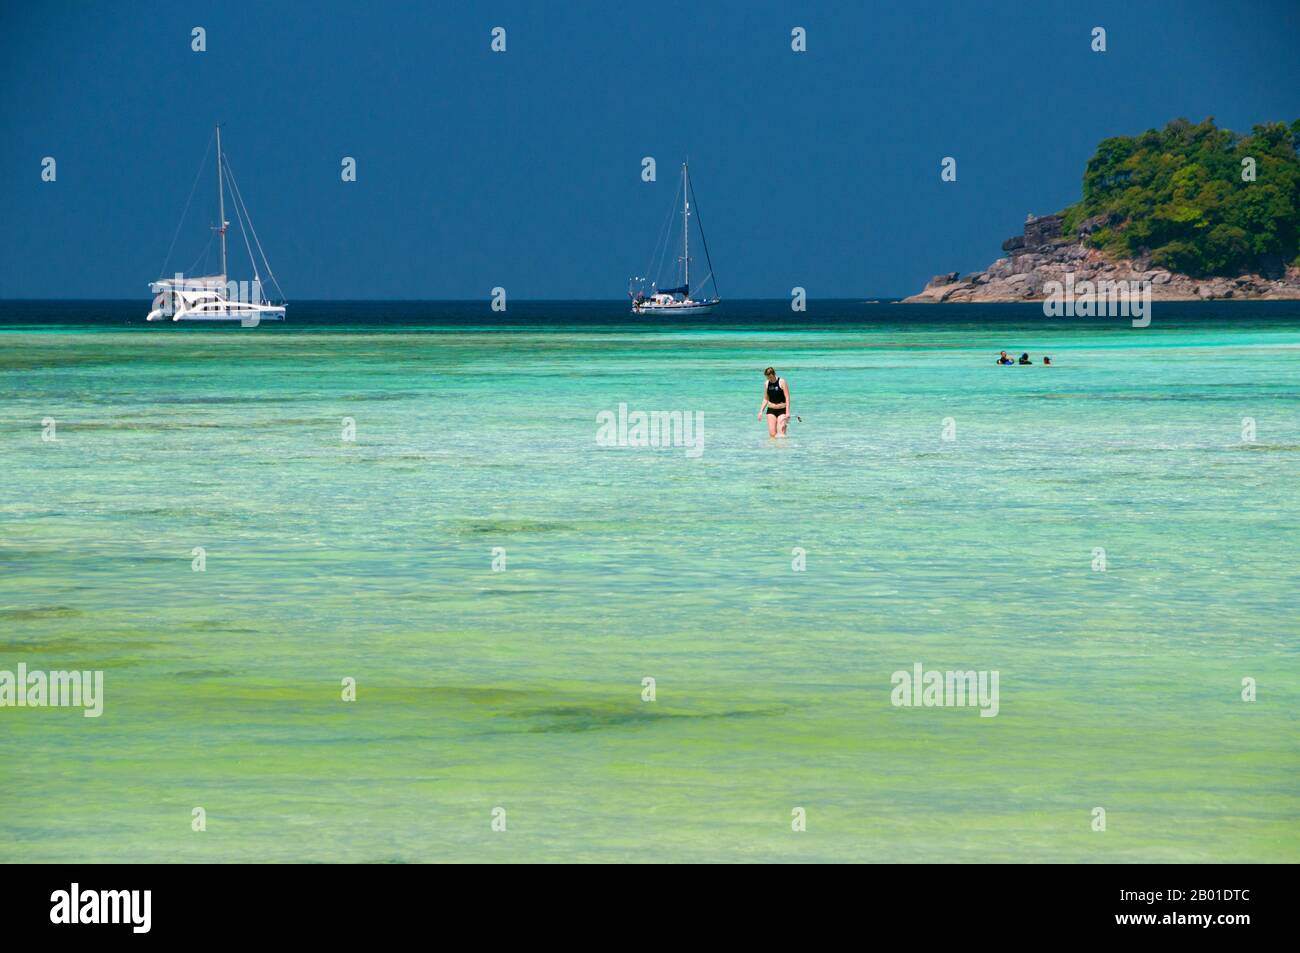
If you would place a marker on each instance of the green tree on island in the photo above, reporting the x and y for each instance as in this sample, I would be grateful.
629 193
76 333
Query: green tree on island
1178 195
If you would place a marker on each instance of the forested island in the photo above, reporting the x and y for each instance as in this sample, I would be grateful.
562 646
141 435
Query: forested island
1198 211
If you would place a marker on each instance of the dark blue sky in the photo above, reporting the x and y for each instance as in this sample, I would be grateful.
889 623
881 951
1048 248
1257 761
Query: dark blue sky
521 169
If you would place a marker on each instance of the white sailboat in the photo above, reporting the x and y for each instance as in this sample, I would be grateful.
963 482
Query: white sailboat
215 297
648 298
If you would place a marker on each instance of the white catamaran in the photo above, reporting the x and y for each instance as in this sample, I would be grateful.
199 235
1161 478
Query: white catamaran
647 297
214 297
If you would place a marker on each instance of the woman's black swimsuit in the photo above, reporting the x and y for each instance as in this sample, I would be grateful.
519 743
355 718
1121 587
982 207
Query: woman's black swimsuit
774 394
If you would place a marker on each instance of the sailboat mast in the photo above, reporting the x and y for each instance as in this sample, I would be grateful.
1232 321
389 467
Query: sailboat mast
686 231
221 204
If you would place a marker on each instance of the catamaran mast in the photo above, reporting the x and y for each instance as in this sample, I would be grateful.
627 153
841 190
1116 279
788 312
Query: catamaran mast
221 204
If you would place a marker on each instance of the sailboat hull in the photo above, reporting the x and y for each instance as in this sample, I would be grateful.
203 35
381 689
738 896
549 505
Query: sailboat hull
682 307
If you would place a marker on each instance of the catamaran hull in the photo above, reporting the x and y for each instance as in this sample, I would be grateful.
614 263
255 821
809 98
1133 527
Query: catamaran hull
269 314
243 314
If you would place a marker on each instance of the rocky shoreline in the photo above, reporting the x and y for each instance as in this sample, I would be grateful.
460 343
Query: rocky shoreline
1042 255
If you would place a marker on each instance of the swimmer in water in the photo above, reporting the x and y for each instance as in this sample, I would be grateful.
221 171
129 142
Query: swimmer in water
776 402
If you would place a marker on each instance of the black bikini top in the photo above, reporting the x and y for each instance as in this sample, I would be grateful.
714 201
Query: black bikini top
774 393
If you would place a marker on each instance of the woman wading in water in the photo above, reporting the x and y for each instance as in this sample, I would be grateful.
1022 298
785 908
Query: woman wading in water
776 402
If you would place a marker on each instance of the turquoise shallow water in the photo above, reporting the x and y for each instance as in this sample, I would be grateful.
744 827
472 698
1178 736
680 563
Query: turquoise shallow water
522 689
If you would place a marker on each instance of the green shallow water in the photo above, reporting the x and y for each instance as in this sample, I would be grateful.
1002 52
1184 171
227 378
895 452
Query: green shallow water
522 689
